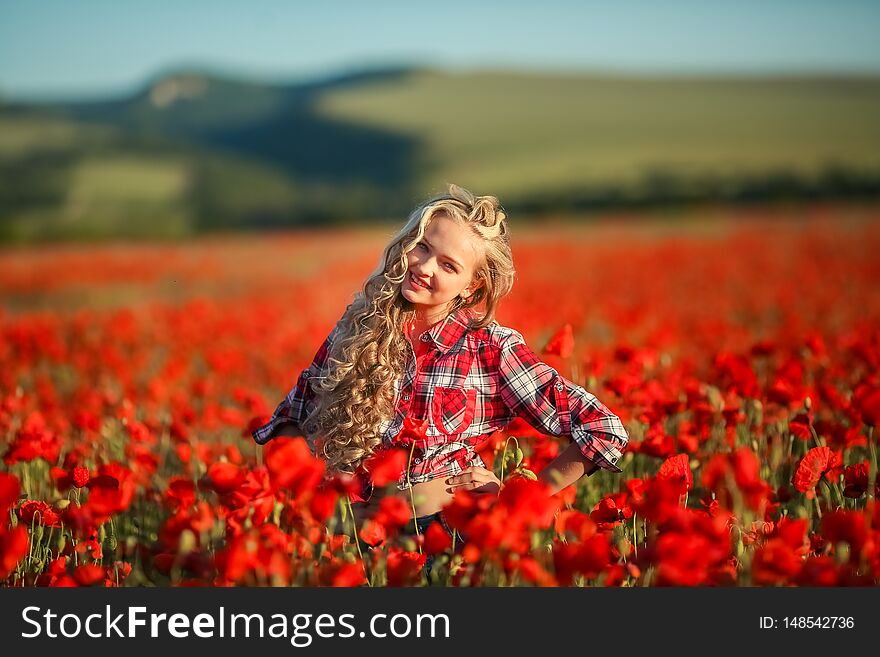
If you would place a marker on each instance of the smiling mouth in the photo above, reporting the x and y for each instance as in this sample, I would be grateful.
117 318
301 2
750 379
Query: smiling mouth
418 283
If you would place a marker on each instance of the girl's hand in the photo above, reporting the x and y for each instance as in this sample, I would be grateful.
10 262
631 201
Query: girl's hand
476 479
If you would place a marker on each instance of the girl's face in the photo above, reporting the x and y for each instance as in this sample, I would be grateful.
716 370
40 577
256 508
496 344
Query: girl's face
441 267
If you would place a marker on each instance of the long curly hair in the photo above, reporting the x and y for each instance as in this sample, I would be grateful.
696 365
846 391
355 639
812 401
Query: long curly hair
356 392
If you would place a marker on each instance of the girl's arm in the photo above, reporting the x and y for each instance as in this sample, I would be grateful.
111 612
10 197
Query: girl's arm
566 469
293 409
554 405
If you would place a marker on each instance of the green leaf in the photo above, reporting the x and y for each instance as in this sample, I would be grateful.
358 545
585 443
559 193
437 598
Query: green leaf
528 474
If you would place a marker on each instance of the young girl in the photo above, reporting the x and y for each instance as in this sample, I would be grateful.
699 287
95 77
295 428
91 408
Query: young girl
420 344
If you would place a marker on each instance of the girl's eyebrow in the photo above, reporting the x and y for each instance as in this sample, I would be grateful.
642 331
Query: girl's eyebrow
455 262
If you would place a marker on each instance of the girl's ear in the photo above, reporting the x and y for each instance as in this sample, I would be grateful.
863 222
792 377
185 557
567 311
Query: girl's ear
470 289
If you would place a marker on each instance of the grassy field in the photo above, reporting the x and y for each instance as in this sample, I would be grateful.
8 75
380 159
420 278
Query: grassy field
518 133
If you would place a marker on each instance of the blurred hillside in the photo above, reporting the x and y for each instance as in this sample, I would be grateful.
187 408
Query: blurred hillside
194 152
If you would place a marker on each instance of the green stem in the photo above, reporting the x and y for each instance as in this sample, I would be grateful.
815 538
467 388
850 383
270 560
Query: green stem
412 499
635 536
815 436
504 454
872 469
357 541
833 491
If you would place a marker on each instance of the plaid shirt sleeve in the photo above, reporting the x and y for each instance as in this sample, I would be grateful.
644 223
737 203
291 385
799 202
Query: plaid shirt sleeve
294 408
554 405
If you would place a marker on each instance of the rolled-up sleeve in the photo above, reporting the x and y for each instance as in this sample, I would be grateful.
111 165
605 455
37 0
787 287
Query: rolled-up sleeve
554 405
295 406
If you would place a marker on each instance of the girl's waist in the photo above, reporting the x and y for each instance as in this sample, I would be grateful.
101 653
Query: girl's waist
430 496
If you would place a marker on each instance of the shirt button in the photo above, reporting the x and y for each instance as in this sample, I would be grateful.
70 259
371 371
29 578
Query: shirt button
559 386
406 396
417 460
306 374
424 338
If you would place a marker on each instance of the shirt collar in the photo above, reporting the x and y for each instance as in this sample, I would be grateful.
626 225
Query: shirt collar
447 332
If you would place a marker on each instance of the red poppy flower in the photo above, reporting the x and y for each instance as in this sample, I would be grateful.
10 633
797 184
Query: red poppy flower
656 443
855 479
465 507
744 465
322 505
346 575
531 571
819 462
561 343
393 512
104 497
793 533
404 568
225 477
373 533
677 468
530 501
260 555
867 400
13 548
386 466
80 476
88 574
635 488
291 466
587 558
581 526
34 440
611 510
660 501
775 563
64 581
180 493
819 571
846 526
76 477
683 559
784 391
746 470
800 425
37 512
116 477
10 489
693 549
356 486
436 539
736 374
412 431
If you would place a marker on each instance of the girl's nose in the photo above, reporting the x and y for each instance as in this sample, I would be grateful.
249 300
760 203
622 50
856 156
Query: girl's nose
423 269
423 276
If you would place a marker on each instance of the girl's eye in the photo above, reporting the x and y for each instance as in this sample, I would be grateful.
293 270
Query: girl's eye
425 246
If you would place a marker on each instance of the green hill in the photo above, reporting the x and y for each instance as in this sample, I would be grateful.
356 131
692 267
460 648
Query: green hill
195 151
525 135
62 179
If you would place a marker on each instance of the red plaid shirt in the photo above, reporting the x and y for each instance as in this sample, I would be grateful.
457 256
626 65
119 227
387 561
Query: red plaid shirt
467 384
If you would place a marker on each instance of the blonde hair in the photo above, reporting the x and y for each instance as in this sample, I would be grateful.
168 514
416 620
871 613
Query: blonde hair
355 395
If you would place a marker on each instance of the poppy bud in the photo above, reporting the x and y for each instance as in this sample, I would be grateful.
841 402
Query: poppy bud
80 476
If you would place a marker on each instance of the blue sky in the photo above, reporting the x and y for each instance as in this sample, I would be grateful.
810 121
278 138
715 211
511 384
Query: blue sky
55 49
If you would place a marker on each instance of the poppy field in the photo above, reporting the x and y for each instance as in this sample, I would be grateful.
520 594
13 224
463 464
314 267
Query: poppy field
740 348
